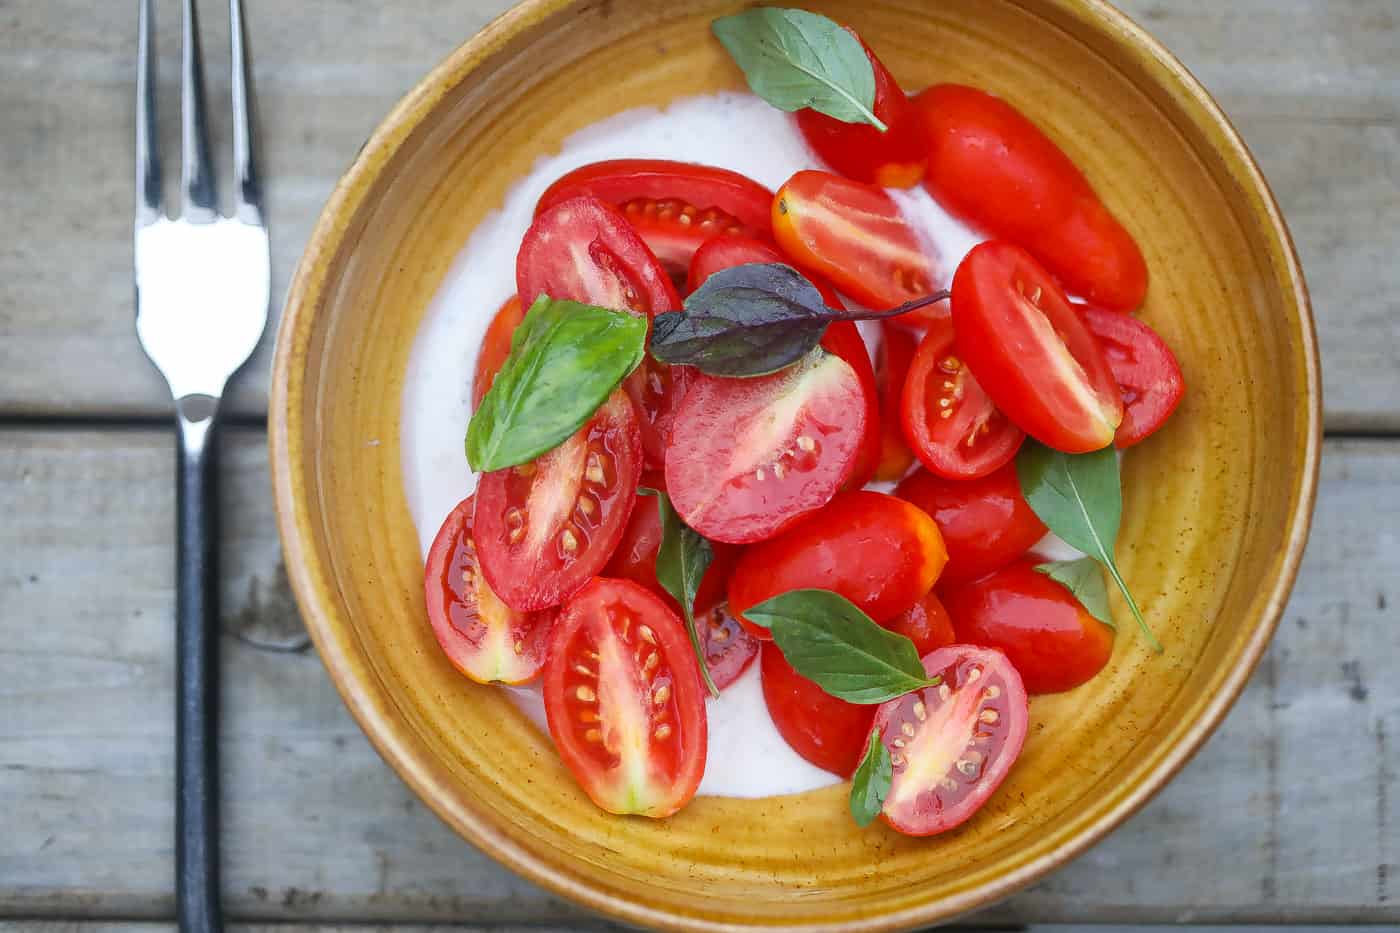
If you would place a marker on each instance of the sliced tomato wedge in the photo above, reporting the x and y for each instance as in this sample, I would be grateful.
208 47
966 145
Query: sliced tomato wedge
1144 367
949 422
495 347
828 732
854 235
729 648
754 455
892 362
482 636
893 157
1033 355
674 206
926 623
623 699
952 745
543 528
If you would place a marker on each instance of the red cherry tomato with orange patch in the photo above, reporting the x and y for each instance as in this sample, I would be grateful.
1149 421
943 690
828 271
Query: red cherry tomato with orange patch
985 522
892 362
1050 638
1144 367
995 169
828 732
495 347
893 158
926 623
1031 352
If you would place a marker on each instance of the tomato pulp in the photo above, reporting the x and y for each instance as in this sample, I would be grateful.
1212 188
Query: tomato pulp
1146 370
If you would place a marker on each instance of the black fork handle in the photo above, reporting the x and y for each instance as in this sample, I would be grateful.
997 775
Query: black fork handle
197 669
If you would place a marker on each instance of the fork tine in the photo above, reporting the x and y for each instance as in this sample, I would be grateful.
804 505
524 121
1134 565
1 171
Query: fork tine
248 197
148 195
201 199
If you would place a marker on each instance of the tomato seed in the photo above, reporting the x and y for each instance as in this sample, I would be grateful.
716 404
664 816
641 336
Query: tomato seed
907 728
662 732
989 716
661 695
568 541
585 694
920 711
593 735
974 674
646 634
585 670
992 692
806 443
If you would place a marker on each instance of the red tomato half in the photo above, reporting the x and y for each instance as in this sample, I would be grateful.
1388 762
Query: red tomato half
482 636
543 528
893 157
754 455
995 169
952 745
949 422
675 206
623 699
729 648
986 523
879 552
828 732
926 623
1053 641
854 235
892 362
495 347
1144 367
1035 357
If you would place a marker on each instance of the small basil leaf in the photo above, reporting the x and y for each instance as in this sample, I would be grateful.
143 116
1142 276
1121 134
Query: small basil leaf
870 785
828 640
795 59
681 561
1084 579
1079 498
565 359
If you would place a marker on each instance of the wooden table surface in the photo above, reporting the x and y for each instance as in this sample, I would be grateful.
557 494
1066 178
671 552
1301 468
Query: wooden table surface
1288 815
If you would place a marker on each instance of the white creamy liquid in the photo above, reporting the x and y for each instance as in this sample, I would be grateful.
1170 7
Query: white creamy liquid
747 757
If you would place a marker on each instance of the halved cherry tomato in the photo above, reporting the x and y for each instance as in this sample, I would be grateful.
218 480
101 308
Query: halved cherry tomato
729 648
893 157
995 169
754 455
986 523
1033 355
582 249
948 421
1144 367
892 361
881 553
495 347
623 697
952 745
854 235
828 732
1053 641
543 528
926 623
675 206
482 636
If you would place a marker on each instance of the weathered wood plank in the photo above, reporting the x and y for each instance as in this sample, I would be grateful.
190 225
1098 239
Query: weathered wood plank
1324 120
1287 815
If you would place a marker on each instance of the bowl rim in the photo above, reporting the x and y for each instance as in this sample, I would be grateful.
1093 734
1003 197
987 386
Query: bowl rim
310 579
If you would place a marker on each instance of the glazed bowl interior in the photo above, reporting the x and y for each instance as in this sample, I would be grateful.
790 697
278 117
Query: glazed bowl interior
1216 506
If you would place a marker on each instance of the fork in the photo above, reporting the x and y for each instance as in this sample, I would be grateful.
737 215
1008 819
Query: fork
202 285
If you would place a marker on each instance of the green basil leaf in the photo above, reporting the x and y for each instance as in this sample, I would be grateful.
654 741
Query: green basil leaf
870 785
752 320
828 640
681 561
1084 579
1079 498
795 59
565 359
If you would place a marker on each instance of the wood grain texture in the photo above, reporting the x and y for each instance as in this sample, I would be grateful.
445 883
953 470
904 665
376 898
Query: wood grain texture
1288 813
1323 120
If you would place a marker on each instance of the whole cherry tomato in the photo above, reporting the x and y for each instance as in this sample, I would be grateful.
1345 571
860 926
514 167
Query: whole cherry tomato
495 347
1144 367
926 623
828 732
892 362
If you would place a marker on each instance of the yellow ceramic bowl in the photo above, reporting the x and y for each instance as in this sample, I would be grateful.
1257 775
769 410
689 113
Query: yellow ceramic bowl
1217 504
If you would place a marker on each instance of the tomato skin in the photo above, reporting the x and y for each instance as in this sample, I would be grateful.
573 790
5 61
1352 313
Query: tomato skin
854 235
1051 639
1144 367
881 553
981 714
616 646
828 732
1033 355
654 193
531 566
986 522
495 347
926 623
892 362
483 637
972 441
992 167
894 158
